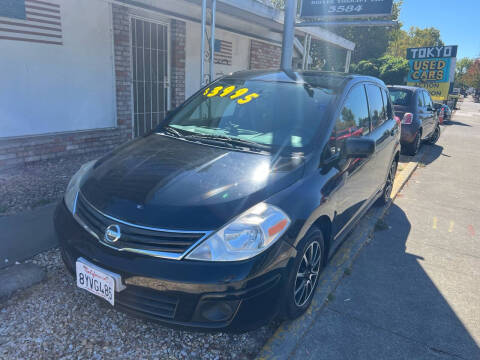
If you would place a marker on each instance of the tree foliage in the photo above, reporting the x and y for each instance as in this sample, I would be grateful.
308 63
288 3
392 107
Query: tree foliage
391 69
472 76
463 65
379 51
401 40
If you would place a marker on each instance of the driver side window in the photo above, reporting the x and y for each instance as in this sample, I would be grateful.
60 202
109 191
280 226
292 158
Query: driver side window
354 120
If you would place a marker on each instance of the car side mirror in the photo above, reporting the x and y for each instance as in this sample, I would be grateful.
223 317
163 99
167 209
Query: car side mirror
437 106
358 147
429 108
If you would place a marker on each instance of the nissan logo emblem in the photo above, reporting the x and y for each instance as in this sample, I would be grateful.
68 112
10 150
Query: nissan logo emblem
112 233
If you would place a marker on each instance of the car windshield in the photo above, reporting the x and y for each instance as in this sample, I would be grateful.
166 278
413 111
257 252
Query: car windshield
400 96
275 115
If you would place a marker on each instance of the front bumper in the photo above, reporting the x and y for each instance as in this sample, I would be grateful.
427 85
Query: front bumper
235 296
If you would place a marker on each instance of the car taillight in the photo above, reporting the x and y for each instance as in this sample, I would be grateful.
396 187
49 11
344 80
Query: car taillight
407 118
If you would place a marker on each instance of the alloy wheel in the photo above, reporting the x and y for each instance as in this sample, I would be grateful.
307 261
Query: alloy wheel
436 135
307 274
389 183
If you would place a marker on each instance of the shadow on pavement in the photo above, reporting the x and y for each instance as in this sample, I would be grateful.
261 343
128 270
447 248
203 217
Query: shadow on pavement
389 307
433 153
453 122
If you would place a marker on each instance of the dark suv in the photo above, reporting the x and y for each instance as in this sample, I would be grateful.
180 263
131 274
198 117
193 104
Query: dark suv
414 106
224 216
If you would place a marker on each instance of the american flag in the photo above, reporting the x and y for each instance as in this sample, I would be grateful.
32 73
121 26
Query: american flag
223 52
31 20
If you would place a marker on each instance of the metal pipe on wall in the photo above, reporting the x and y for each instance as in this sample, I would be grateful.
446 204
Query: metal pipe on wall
212 40
202 51
288 34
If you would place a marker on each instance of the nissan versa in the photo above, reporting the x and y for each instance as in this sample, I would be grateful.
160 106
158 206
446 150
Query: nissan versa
224 216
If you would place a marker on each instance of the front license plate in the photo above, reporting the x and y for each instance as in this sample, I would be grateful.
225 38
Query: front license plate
95 281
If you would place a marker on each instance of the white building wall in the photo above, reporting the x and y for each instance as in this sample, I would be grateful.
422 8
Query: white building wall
240 61
58 88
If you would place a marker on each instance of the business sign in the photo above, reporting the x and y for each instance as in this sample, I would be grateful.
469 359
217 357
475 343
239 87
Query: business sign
435 70
432 68
432 52
346 8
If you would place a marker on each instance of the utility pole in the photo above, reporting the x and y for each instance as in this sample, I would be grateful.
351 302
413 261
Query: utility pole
288 34
212 40
202 51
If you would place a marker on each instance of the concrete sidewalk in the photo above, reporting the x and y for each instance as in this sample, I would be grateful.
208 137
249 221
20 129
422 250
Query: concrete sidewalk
414 291
26 234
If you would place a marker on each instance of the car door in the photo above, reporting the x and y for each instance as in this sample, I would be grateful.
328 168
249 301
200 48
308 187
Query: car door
421 111
429 112
384 129
354 179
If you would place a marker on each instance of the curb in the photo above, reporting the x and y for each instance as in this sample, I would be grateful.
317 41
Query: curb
26 234
19 277
285 339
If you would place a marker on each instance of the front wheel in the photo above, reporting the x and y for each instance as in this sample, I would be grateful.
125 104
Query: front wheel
435 136
387 189
303 279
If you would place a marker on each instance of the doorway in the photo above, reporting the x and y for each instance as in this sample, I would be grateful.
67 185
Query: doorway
150 74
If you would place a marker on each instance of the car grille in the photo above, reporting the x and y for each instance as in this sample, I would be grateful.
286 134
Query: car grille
147 302
136 238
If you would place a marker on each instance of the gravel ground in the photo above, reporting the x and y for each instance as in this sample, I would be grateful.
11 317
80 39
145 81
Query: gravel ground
25 187
55 320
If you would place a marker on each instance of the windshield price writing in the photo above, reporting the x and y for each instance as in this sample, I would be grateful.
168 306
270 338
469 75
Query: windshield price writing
231 93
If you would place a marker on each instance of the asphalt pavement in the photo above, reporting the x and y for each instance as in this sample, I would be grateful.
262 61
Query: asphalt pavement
414 291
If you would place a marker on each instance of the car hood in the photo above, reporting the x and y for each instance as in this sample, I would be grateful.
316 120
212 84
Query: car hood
170 183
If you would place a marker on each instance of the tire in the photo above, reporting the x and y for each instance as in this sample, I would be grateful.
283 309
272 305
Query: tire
413 148
435 136
311 248
387 189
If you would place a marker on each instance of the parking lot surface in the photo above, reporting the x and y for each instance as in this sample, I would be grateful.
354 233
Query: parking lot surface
414 292
55 320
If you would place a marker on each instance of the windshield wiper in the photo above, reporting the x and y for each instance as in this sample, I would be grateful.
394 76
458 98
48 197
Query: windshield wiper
241 143
172 131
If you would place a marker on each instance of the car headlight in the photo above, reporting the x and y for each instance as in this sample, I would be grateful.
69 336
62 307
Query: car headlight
244 237
74 184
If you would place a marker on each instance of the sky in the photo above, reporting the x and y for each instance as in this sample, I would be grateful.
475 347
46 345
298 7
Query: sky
457 20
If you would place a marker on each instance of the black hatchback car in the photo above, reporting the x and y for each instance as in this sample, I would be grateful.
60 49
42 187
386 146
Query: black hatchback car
224 216
415 108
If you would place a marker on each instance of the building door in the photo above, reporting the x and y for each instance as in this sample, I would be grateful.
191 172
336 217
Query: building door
150 74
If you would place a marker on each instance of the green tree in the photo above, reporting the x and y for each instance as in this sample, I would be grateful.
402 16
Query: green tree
392 70
368 67
370 41
472 77
463 65
416 37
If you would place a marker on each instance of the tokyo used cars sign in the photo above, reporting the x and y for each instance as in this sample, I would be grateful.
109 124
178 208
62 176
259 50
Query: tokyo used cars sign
346 8
432 68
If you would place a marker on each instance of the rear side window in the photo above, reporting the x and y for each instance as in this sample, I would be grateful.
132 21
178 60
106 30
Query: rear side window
420 99
400 97
375 103
428 99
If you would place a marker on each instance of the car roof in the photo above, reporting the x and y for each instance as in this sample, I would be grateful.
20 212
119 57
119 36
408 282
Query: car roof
404 87
328 79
